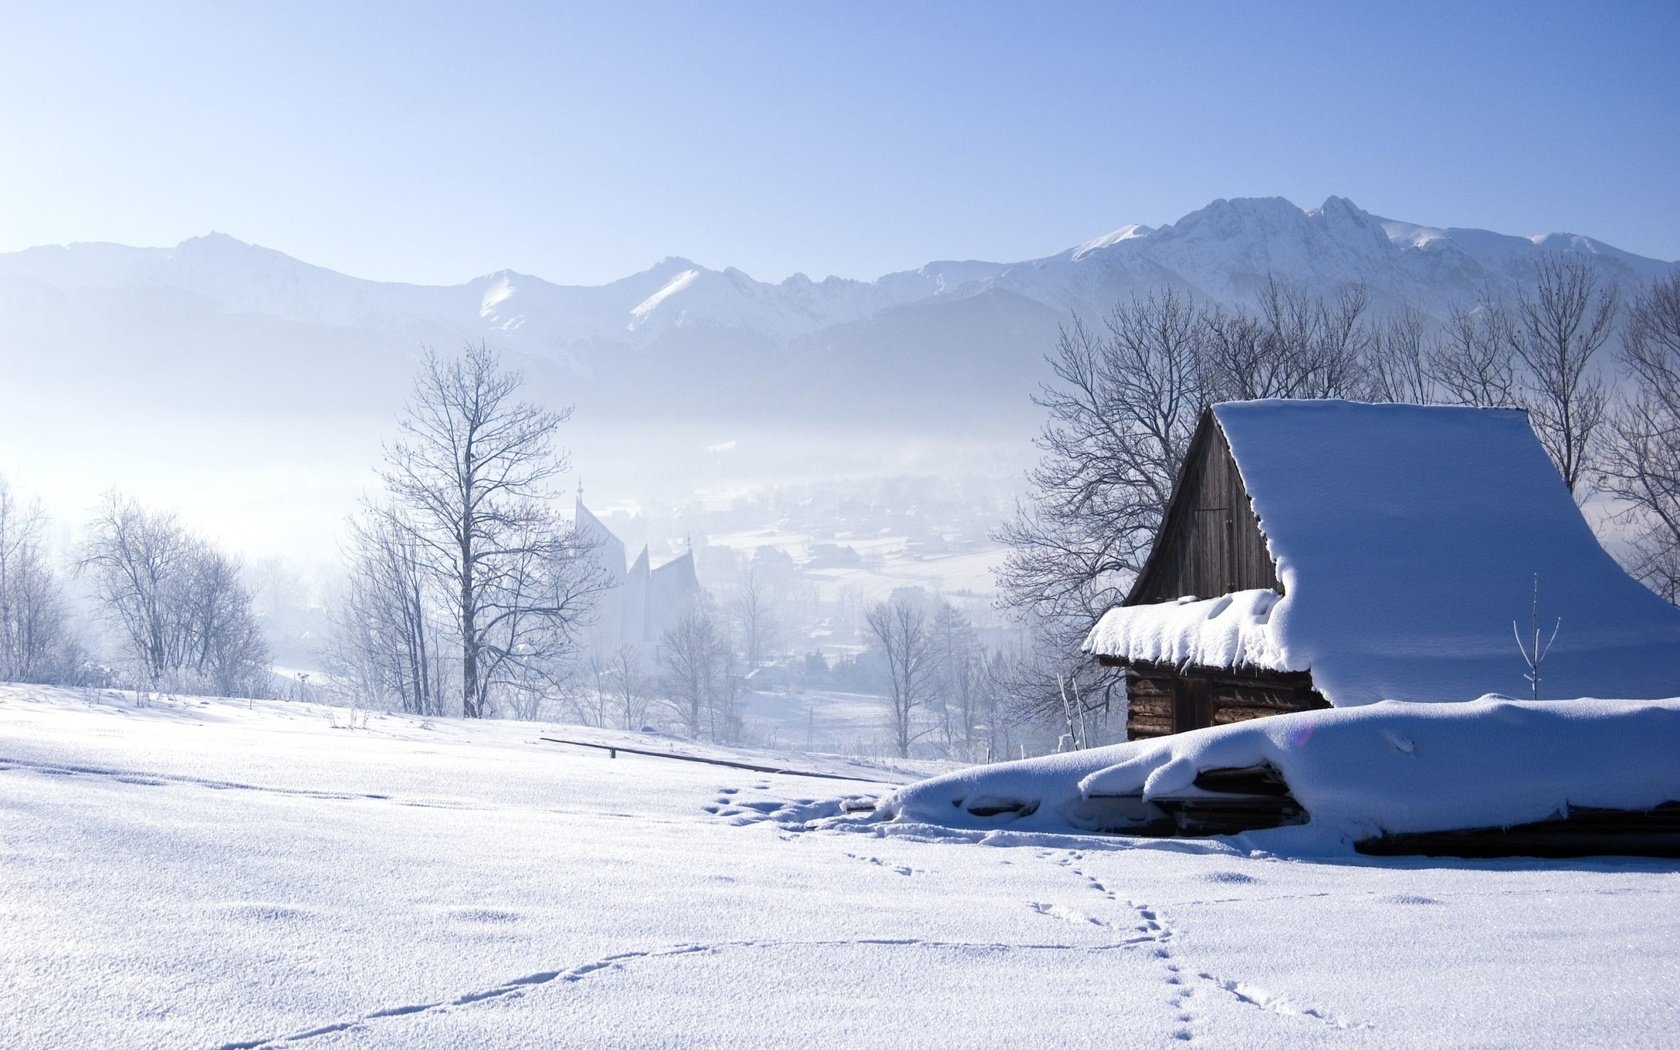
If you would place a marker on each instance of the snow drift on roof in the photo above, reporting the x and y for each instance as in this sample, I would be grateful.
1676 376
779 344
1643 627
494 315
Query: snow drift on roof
1391 767
1408 539
1229 631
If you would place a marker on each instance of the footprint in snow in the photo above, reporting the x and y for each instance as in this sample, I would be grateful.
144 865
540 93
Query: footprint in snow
1408 898
1228 877
489 915
1066 914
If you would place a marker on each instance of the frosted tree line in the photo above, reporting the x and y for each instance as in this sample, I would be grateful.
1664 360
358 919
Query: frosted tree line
171 610
37 643
1597 376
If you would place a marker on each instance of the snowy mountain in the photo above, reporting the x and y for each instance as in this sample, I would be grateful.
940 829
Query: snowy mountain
680 334
233 353
1221 252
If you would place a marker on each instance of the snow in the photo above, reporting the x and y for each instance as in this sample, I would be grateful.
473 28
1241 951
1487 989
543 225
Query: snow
651 303
1217 252
1408 540
1124 233
1228 631
202 874
1392 767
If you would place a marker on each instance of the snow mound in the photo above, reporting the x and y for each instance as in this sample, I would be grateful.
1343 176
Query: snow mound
1392 767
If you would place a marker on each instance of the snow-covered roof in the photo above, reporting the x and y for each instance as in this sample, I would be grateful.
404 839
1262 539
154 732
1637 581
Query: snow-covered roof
1408 539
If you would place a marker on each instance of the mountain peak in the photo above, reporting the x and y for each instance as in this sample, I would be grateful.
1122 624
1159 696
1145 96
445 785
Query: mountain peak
1129 232
1341 206
215 240
1236 216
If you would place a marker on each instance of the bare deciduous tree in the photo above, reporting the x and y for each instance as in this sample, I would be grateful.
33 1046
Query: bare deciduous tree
1641 462
225 644
900 627
630 686
138 560
1293 345
180 604
1559 328
591 693
35 644
1122 412
386 635
1472 362
612 688
694 655
959 684
1399 360
752 610
470 477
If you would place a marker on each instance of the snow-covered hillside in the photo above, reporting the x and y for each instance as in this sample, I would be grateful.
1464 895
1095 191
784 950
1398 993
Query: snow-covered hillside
207 873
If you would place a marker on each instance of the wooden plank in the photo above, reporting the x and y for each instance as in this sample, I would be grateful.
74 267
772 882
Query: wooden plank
1152 726
1210 542
1581 832
615 749
1225 716
1138 686
1274 700
1161 708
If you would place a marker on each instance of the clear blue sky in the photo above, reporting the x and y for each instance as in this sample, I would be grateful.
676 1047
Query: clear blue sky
582 142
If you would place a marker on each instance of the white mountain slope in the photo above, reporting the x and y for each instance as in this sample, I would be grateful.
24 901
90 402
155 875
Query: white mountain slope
264 371
1220 252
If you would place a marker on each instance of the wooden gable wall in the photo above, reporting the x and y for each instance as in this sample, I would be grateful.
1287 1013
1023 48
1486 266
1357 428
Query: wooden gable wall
1210 541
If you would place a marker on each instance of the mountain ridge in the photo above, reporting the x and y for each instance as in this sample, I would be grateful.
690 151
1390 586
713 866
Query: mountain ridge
1220 252
950 344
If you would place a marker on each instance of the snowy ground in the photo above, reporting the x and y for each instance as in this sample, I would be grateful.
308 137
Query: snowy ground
200 874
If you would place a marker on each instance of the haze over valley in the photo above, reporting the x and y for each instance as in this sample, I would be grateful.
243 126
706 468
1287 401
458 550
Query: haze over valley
252 390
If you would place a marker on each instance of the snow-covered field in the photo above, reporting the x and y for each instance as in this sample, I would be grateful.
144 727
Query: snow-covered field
207 874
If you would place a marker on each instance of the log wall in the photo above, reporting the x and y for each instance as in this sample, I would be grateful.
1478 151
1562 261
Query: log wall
1163 700
1210 541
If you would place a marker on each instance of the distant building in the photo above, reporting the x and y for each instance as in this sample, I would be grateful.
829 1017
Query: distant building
1329 553
641 601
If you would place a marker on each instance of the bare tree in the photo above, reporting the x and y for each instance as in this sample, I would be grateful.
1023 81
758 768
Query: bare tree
138 560
1035 677
1559 327
900 627
1336 345
752 610
694 655
35 644
471 477
225 648
1472 362
1293 345
386 632
630 686
1399 360
179 603
1641 462
958 680
1122 412
591 694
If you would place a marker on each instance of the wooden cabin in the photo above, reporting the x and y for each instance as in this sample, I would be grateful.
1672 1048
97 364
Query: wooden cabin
1319 553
